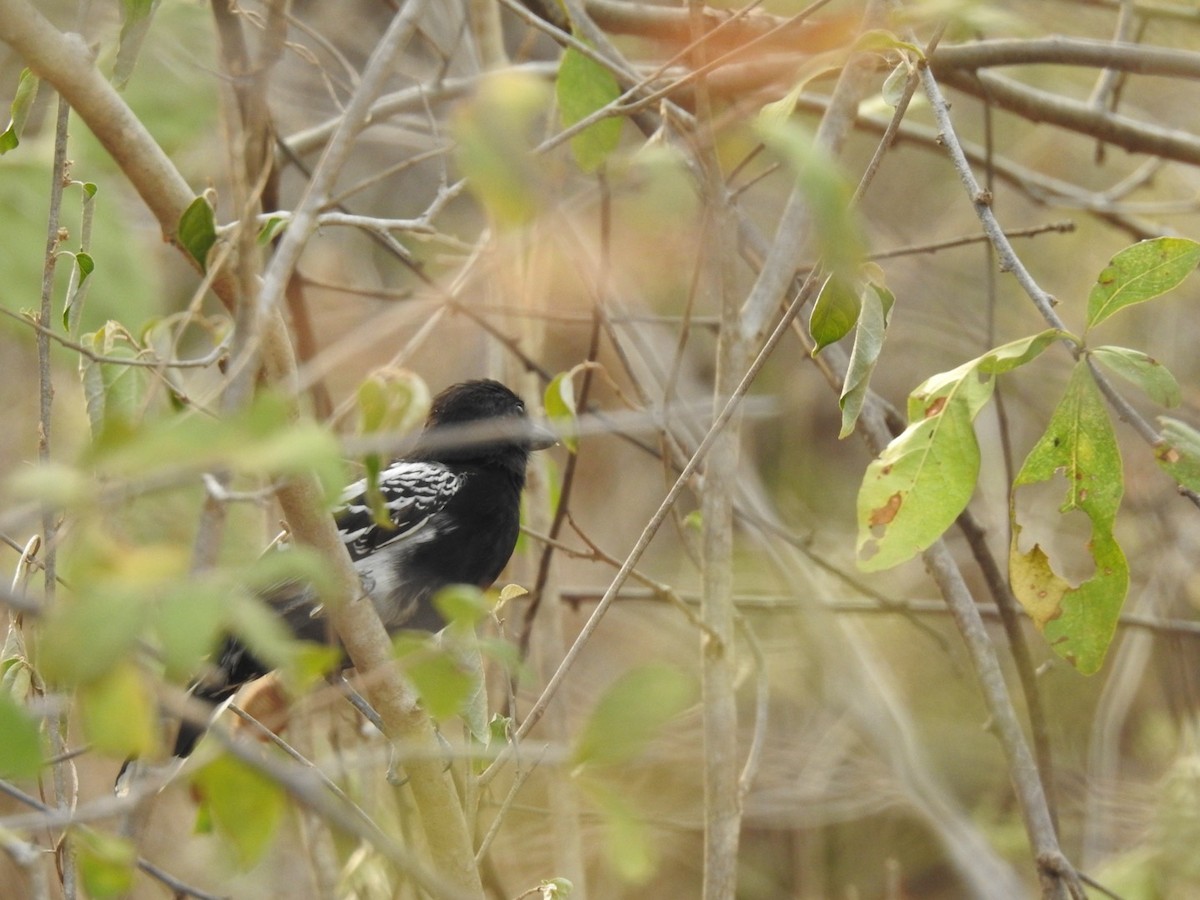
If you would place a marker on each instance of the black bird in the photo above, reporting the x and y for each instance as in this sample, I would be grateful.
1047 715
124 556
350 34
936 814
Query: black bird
454 504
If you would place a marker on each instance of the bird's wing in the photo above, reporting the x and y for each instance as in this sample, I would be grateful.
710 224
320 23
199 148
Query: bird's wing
413 492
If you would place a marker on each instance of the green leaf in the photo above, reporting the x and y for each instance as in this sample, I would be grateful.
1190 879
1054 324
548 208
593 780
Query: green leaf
118 713
107 863
27 88
834 314
1142 272
1178 452
559 402
392 399
1078 622
135 24
244 806
631 712
495 136
73 301
198 231
1146 372
273 226
835 227
877 303
896 83
584 86
21 749
442 682
925 477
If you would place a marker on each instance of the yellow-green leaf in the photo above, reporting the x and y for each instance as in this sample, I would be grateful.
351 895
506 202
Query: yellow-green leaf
118 713
244 806
1141 272
135 25
584 86
1178 452
631 712
1145 371
442 682
495 137
21 748
559 402
1078 621
106 862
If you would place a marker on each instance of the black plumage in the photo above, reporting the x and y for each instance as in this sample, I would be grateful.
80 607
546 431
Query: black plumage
454 509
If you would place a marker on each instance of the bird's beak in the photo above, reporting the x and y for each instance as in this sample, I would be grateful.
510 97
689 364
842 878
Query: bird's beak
540 437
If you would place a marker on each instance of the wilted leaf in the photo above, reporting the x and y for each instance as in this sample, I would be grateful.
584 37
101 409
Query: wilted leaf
1078 622
631 712
877 302
584 86
244 806
1142 272
21 749
1146 372
27 88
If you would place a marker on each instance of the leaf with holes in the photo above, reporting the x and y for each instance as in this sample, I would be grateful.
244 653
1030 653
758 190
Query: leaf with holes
1079 442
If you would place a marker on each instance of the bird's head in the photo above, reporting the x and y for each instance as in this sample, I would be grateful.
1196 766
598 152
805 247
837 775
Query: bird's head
481 422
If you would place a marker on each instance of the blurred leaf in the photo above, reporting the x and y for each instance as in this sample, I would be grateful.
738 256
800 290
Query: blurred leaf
21 749
877 302
107 863
441 682
118 712
389 399
1178 452
559 401
86 637
198 231
27 88
462 605
245 807
1141 272
495 135
896 83
627 840
631 712
584 86
1146 372
834 314
835 227
114 393
135 25
189 622
1078 622
915 489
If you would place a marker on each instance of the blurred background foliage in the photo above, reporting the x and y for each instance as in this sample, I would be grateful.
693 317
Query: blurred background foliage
878 776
